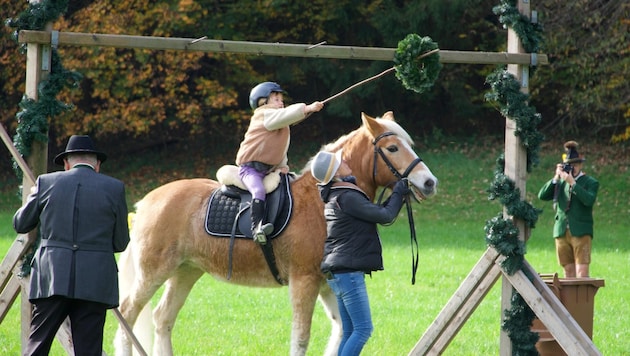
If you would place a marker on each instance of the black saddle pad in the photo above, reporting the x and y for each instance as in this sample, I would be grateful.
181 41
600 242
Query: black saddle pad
229 210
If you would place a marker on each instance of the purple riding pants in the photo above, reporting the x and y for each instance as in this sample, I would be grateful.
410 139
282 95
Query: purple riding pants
253 180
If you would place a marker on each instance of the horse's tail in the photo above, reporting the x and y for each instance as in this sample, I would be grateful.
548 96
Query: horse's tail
143 327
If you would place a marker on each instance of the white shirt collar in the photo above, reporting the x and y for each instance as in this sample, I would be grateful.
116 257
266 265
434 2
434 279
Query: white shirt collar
84 164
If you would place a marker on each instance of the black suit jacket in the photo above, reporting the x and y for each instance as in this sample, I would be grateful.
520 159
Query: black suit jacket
83 220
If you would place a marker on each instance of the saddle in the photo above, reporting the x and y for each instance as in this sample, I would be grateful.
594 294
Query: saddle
229 213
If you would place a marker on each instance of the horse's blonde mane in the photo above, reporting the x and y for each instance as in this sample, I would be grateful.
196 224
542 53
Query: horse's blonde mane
336 145
397 129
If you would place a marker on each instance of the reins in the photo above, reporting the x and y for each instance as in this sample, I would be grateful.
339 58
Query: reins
406 198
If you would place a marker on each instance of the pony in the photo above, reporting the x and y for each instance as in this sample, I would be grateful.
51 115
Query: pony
169 244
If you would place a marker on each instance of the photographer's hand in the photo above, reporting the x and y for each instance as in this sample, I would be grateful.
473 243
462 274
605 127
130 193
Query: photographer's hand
558 172
567 177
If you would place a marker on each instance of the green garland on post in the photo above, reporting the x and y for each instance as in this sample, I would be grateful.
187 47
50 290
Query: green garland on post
502 234
514 104
33 118
504 189
529 33
37 15
517 324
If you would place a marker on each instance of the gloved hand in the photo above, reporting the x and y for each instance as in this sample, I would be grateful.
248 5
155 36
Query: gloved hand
402 187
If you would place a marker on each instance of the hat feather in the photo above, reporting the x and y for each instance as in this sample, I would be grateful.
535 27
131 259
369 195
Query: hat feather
570 145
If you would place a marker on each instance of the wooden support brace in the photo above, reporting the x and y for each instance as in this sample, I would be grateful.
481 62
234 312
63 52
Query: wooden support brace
536 293
455 313
16 154
8 295
548 308
7 279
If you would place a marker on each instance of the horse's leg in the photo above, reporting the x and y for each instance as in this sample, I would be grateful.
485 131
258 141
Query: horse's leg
130 308
177 289
329 301
303 291
140 290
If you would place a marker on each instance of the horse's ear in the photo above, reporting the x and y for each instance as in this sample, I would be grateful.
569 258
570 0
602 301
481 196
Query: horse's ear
371 124
389 116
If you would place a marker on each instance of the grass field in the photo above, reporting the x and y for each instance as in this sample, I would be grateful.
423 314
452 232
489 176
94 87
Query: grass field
221 319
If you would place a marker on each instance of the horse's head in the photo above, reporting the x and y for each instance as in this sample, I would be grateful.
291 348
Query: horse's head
392 157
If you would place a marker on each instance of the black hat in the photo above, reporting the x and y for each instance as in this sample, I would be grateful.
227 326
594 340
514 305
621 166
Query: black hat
572 155
79 144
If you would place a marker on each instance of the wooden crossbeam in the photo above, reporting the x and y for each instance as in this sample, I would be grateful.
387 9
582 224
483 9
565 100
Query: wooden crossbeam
266 49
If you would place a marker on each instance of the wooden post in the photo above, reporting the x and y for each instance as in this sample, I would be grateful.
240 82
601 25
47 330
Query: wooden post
38 63
515 165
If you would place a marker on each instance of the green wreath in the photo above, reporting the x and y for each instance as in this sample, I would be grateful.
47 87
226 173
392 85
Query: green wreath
415 71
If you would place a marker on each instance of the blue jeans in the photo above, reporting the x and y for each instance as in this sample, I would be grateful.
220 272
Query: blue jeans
354 307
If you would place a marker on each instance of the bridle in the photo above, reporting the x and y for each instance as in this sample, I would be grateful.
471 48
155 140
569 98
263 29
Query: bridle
414 241
388 163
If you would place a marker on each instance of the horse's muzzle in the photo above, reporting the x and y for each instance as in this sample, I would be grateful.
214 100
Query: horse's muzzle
428 189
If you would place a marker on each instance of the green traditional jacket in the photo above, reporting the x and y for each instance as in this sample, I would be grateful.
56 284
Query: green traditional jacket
574 207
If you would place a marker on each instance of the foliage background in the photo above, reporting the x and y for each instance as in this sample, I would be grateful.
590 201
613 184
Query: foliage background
144 98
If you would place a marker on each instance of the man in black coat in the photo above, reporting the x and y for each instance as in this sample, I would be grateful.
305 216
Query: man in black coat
82 218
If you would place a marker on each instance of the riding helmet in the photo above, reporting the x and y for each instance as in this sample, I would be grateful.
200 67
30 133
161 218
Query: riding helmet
325 166
263 90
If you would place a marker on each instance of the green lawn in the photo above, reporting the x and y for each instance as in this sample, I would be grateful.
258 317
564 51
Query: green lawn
221 319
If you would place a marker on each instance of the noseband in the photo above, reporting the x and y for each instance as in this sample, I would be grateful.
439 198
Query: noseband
412 229
378 151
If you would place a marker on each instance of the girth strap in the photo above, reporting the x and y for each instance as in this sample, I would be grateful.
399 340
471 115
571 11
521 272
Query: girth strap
267 250
232 238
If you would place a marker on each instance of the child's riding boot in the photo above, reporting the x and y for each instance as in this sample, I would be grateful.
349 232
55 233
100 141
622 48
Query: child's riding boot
259 230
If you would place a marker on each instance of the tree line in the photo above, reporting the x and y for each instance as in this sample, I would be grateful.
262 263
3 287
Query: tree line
161 96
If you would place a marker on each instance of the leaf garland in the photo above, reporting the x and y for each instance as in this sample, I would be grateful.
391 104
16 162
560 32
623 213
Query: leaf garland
501 233
514 104
37 15
33 118
416 73
529 33
517 324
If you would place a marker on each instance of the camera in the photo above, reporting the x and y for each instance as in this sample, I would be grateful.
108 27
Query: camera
566 167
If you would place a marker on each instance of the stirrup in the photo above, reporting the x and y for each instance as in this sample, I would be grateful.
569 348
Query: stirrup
260 235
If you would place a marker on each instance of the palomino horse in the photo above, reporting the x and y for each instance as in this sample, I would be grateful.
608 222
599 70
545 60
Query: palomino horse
169 243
